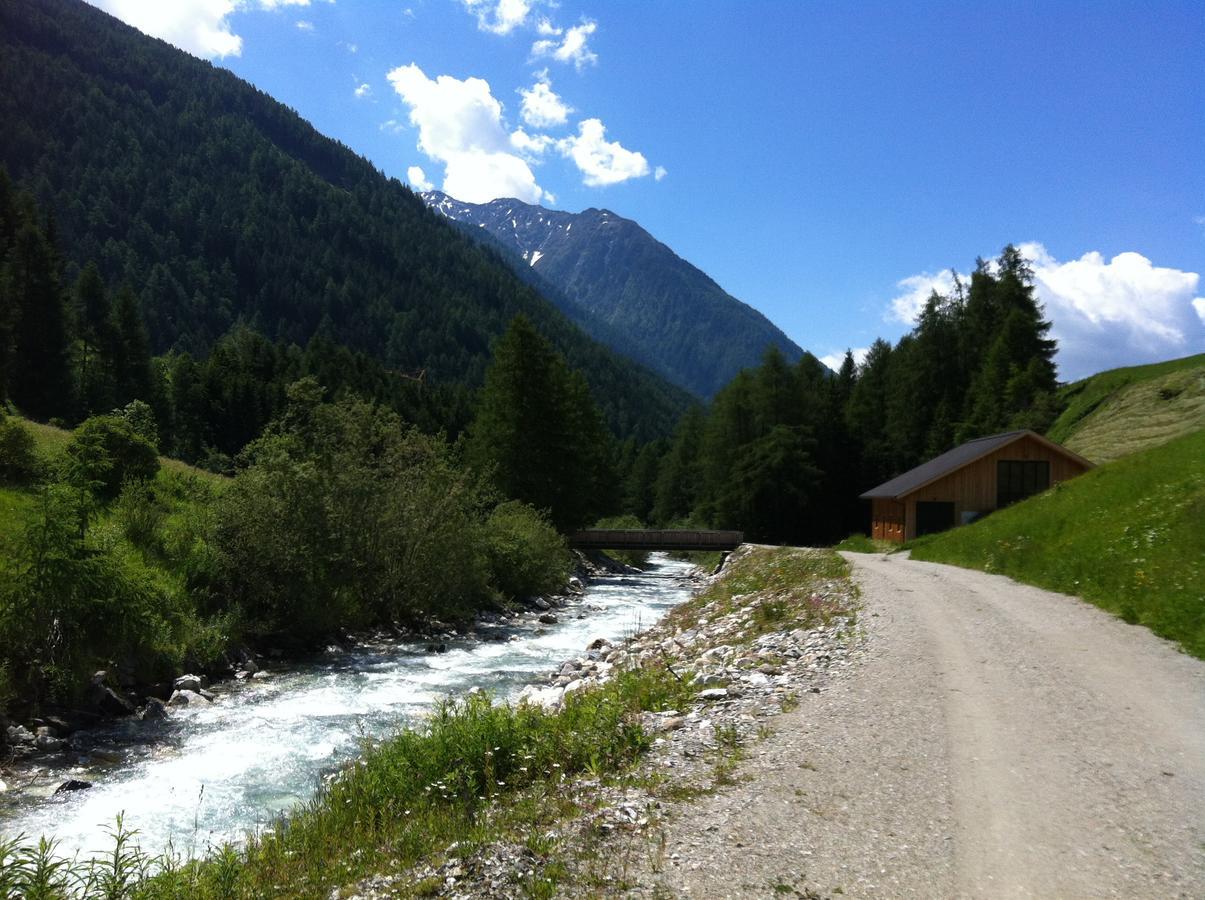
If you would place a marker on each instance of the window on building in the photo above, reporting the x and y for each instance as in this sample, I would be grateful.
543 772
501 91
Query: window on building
1018 479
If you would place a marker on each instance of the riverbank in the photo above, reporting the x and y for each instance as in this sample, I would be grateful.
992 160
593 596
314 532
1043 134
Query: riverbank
773 625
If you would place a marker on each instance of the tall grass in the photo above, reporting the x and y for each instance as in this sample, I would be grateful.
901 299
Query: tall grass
474 772
1126 536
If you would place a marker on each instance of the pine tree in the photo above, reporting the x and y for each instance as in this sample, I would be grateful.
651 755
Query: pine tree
91 310
131 363
538 432
39 382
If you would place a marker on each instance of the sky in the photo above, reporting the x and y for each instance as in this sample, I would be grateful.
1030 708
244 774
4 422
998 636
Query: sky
827 163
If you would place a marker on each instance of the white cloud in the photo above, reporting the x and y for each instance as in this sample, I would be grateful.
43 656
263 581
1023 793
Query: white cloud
916 289
350 48
200 27
1125 311
541 107
837 357
1104 314
460 125
601 161
364 90
566 45
304 25
659 173
499 16
418 179
530 145
393 126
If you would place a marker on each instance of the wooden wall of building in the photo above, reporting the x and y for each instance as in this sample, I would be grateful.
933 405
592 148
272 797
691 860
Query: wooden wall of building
887 520
972 489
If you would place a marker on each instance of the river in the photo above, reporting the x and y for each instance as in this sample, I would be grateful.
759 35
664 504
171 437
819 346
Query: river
207 776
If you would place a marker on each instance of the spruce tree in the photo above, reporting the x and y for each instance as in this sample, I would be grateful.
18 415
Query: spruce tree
39 381
538 432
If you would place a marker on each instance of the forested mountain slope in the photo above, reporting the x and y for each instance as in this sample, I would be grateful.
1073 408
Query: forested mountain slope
1122 411
218 205
663 311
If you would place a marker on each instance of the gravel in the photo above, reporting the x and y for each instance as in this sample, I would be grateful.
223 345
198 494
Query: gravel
994 740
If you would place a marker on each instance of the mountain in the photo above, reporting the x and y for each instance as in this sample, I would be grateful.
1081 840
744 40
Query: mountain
655 306
219 206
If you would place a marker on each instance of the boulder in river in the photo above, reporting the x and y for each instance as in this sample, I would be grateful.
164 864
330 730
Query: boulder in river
190 683
187 698
548 619
72 784
154 710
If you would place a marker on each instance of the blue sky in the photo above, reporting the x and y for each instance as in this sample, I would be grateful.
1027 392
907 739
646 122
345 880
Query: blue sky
827 163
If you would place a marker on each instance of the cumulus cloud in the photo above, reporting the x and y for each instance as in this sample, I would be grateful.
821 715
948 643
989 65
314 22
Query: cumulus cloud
906 306
460 125
601 161
531 145
200 27
1124 311
541 107
837 357
499 16
364 90
304 25
659 173
1103 313
566 44
418 179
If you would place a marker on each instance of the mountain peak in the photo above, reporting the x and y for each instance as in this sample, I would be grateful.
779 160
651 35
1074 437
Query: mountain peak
656 307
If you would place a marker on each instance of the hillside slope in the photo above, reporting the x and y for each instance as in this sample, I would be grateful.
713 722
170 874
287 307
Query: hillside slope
219 205
1122 411
662 310
1126 536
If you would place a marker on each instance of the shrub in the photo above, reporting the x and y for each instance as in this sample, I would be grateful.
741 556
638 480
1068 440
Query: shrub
18 456
526 554
105 451
140 514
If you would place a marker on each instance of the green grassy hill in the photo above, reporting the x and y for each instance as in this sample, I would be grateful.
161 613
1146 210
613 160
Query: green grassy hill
1122 411
1126 536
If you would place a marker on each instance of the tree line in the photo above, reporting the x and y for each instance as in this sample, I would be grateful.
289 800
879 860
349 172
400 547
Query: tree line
784 451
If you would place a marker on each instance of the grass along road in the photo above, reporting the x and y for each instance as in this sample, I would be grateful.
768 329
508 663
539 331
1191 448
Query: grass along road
997 740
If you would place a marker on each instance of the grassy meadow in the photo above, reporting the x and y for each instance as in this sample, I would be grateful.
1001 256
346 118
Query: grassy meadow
1122 411
1126 536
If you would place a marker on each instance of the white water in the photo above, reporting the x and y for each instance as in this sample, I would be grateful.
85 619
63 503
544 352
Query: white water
210 775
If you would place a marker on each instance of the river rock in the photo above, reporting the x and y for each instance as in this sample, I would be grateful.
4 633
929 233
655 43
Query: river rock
19 734
189 683
48 743
541 604
154 710
72 784
108 702
548 619
547 697
713 694
187 698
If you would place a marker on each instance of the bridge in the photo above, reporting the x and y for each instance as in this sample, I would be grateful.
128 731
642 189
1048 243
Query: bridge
654 539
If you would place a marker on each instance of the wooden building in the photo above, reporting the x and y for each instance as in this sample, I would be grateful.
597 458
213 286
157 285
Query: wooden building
967 482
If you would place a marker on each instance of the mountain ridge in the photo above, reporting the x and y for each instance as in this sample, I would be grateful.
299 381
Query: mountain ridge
219 205
671 316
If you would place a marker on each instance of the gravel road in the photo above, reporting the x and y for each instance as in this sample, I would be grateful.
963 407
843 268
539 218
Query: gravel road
995 741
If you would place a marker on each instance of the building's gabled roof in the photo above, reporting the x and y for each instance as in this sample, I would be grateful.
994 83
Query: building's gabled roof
951 460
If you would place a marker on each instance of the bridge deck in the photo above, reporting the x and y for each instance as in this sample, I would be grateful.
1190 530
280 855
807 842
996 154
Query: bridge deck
654 539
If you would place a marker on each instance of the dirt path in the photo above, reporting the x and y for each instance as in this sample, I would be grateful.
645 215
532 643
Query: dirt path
997 741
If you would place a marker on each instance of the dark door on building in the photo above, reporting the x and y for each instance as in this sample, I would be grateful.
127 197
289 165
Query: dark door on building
1018 479
933 516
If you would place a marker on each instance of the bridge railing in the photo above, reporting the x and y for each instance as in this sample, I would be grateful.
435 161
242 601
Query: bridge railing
654 539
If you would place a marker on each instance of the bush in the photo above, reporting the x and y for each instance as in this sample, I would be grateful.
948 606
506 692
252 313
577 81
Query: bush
105 451
18 456
527 556
140 514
